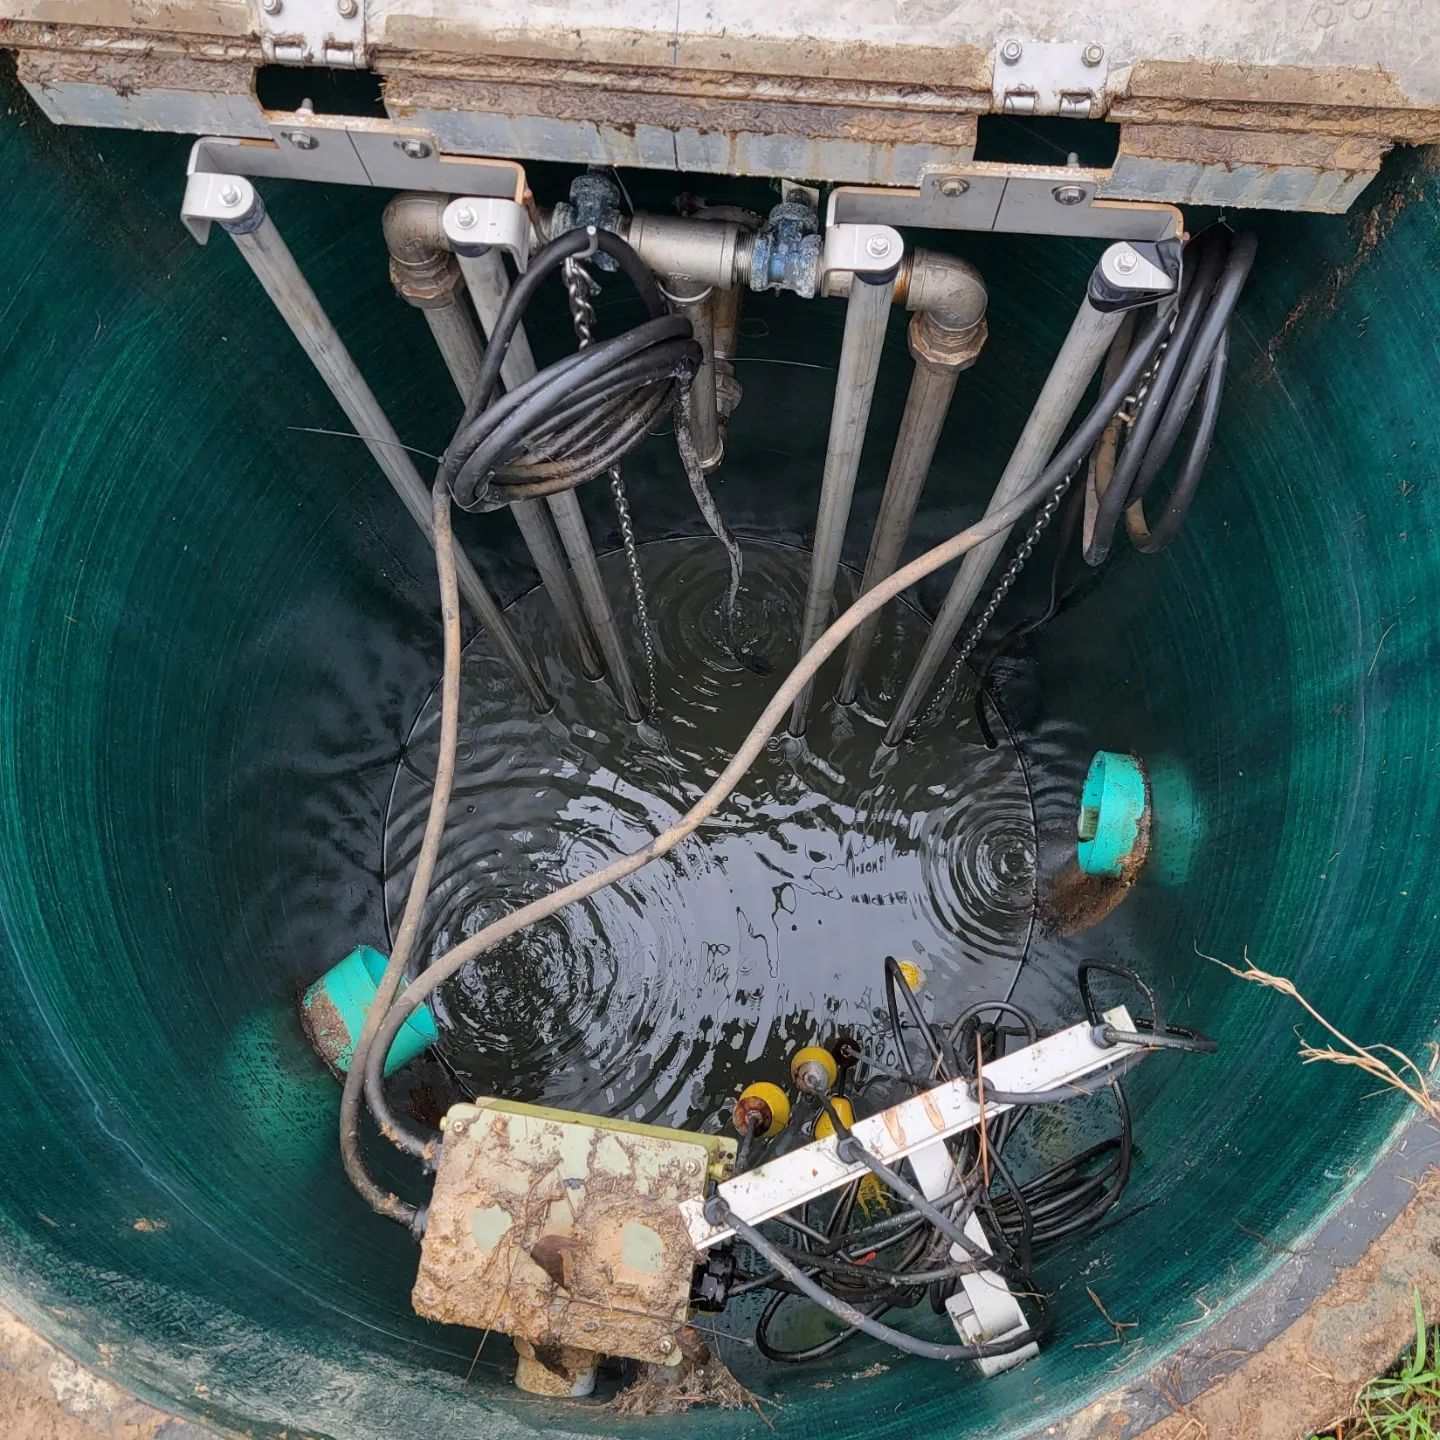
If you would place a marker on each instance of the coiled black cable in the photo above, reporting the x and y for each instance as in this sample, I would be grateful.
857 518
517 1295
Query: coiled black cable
576 418
1191 369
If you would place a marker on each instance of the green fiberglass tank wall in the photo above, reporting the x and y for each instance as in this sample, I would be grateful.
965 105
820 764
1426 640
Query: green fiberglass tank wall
217 626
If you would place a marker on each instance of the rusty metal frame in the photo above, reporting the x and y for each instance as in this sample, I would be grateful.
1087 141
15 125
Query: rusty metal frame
1286 105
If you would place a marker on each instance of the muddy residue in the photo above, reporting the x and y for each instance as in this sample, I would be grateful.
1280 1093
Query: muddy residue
1069 901
1374 226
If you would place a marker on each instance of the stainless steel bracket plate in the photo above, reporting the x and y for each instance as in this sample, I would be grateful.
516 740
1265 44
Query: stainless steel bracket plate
1042 77
349 151
1010 199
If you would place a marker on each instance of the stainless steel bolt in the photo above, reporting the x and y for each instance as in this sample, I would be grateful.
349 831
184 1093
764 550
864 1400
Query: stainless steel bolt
465 218
1068 194
1093 55
692 1167
301 141
230 195
953 186
1011 51
271 7
666 1346
415 149
878 246
457 1129
1126 262
347 8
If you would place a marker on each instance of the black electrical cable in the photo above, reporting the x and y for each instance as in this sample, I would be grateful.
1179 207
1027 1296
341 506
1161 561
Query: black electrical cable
574 419
845 1270
718 1213
1191 369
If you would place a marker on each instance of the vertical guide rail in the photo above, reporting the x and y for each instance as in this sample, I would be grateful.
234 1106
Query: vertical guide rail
489 284
459 346
233 202
866 315
1075 366
926 406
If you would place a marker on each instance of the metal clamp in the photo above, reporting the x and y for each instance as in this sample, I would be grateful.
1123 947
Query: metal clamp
350 150
866 251
1131 274
312 32
1034 77
211 198
474 224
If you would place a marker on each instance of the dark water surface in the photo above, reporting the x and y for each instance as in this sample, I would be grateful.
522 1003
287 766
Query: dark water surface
765 931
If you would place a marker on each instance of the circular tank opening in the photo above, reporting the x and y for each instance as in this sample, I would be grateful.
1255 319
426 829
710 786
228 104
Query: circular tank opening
219 628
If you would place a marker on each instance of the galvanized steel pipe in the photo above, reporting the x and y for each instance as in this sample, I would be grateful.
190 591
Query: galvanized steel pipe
269 257
866 314
426 275
1080 356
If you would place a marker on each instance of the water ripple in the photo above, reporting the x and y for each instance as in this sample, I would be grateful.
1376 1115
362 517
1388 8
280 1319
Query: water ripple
655 998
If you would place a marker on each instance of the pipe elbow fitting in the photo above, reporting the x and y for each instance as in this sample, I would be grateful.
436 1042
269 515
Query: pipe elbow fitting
948 298
422 269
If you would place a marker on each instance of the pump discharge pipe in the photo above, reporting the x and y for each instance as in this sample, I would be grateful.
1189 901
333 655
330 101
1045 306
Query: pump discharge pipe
947 334
1117 283
425 274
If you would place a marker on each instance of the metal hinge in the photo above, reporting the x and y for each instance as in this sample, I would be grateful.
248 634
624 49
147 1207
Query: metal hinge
312 32
1035 77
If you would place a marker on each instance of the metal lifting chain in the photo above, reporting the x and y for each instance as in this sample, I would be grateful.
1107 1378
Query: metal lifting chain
1130 406
1126 414
580 288
1043 517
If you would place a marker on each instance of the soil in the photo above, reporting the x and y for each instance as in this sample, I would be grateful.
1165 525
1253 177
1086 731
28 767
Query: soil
46 1395
31 1413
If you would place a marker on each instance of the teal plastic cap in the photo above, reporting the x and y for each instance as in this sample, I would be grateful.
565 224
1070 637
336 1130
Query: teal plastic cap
1114 826
334 1008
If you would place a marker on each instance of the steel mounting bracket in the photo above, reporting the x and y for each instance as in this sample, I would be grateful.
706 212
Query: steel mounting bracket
345 150
476 223
1008 199
804 1174
1041 77
863 249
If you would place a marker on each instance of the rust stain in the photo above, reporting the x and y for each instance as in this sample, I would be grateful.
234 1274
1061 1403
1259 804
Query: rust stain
418 40
662 100
232 71
146 1226
932 1110
893 1125
1215 144
1369 86
1375 225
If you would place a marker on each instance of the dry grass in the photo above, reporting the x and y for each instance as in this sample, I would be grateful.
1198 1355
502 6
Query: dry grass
1404 1404
1391 1067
